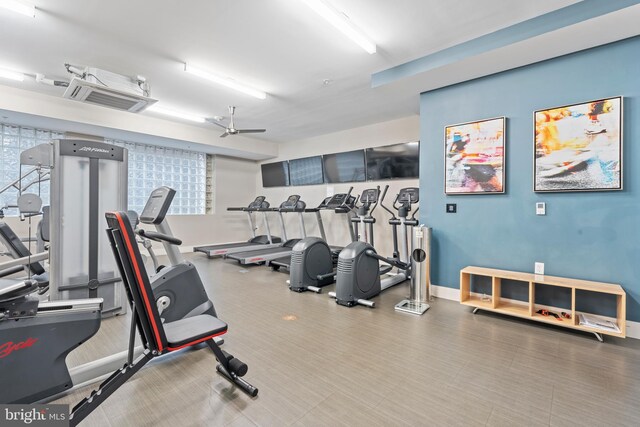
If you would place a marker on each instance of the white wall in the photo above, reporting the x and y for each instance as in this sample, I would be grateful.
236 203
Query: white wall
385 133
235 185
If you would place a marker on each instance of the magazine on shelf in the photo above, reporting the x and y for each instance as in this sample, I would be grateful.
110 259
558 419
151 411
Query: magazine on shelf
597 322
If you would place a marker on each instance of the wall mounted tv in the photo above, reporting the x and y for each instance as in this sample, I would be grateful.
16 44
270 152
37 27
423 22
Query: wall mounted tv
393 161
344 167
306 171
275 174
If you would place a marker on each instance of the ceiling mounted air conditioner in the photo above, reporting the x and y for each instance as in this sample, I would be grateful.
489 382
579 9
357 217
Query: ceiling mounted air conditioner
107 89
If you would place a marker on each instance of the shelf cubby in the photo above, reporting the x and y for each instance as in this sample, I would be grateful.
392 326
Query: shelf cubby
564 287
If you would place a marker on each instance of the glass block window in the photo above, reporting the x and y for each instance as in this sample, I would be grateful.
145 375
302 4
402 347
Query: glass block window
149 167
13 140
152 166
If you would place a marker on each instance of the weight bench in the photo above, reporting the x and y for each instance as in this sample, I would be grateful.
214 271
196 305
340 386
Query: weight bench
157 338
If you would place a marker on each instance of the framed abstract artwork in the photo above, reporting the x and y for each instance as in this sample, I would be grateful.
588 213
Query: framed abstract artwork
578 147
475 157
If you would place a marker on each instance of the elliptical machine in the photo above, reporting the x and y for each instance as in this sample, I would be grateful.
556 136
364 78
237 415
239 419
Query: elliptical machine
358 273
177 288
313 260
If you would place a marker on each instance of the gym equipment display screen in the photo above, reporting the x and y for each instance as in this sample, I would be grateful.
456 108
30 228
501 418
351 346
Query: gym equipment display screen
344 167
393 161
275 174
306 171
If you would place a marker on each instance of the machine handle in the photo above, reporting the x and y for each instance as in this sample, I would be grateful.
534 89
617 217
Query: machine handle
384 193
395 201
414 213
393 216
367 220
391 261
326 276
346 199
159 237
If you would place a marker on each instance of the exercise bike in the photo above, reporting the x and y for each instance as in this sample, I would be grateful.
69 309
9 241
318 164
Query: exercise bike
359 274
177 288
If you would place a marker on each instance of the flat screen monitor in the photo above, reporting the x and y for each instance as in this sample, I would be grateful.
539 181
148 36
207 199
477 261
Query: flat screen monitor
344 167
275 174
306 171
393 161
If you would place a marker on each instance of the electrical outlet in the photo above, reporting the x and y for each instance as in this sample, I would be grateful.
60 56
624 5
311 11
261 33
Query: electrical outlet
452 208
539 268
541 208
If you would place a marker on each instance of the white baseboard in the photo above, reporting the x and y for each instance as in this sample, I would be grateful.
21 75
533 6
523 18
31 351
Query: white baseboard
633 328
445 292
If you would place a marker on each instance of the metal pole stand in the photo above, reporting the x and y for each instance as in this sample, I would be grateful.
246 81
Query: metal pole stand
420 273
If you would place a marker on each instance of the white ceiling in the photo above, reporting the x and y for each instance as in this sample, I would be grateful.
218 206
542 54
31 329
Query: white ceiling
279 46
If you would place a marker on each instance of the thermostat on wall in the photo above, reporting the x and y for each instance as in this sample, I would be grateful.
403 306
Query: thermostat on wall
541 208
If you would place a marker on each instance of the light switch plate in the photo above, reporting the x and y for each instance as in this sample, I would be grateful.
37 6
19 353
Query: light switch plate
539 268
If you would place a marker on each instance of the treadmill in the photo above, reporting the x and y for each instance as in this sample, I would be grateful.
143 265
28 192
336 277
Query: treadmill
341 203
255 242
261 256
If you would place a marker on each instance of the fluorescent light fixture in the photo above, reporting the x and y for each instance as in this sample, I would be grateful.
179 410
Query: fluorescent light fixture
11 75
19 6
225 81
179 114
342 23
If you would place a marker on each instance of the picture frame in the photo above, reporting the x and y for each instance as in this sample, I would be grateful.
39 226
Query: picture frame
579 147
474 158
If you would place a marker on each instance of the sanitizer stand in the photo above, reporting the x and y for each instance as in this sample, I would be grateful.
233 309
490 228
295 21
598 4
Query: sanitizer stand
420 273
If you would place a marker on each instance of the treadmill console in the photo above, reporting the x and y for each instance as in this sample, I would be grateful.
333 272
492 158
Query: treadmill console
157 205
258 203
370 196
409 195
292 203
337 201
324 203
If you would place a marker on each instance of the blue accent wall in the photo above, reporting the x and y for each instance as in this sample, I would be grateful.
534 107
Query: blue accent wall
593 236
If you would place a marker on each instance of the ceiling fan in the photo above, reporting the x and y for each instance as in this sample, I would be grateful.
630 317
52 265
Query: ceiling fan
230 129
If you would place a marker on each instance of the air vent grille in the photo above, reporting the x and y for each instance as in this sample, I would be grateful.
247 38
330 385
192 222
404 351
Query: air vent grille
345 267
111 101
296 258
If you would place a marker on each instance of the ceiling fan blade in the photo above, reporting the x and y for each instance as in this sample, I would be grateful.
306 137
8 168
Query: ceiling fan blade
213 122
251 130
224 135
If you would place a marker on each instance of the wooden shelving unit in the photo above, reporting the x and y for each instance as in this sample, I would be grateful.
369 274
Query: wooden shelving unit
527 309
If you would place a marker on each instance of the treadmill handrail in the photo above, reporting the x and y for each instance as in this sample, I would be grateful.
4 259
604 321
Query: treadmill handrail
294 209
